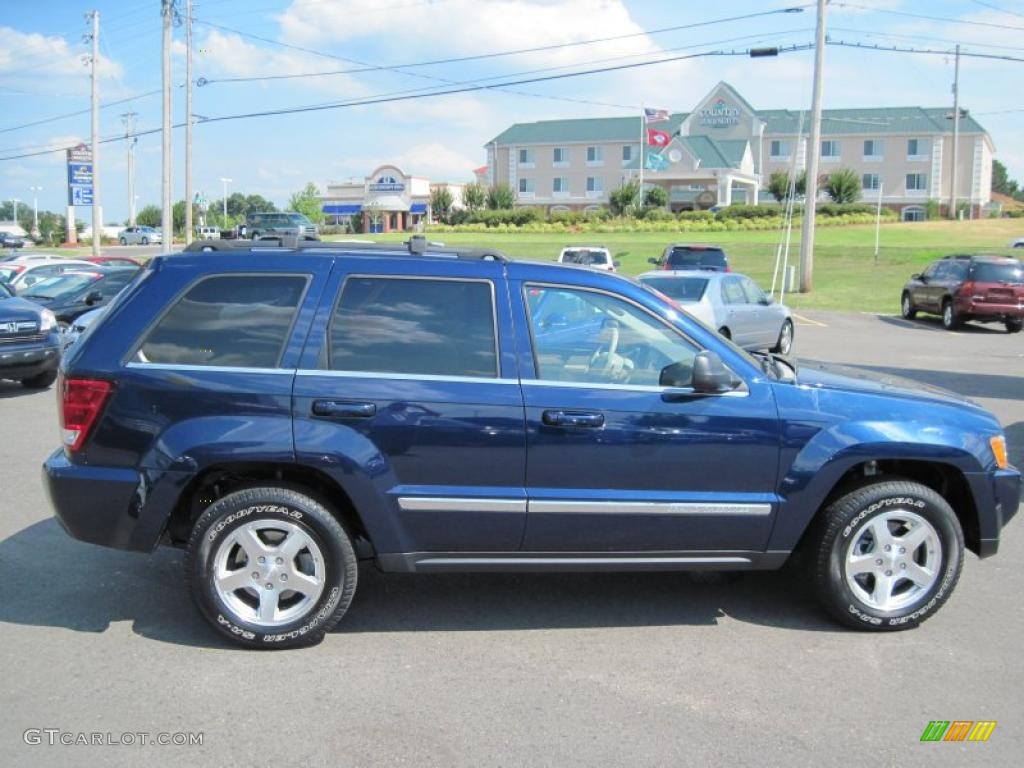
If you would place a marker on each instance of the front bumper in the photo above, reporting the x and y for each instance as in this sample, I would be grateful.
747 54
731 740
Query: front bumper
117 507
997 496
23 361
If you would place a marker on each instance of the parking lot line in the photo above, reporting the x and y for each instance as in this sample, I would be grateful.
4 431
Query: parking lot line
809 321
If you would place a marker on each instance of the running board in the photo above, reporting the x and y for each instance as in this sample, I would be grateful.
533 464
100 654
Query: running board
463 562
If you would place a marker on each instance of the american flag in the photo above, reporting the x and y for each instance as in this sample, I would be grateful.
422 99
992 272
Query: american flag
655 115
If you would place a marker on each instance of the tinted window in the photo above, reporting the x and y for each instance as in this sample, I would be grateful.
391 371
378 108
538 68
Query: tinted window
998 272
111 284
732 292
584 256
957 270
754 294
231 320
60 287
604 340
680 288
683 256
932 269
426 327
941 270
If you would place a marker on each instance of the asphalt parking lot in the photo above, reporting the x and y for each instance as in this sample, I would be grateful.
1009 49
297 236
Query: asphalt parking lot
635 669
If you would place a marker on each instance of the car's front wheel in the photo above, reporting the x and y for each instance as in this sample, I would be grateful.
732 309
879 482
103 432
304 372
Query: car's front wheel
123 241
270 568
907 308
1014 326
888 555
145 241
785 343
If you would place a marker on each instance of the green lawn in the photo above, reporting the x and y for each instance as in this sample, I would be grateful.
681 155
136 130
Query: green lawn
846 276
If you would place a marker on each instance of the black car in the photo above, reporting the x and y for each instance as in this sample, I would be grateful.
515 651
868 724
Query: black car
29 341
699 256
986 289
76 292
7 240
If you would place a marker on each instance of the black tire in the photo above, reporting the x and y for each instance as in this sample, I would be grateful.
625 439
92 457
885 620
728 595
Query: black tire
255 235
281 506
725 332
145 241
907 308
123 241
843 526
950 319
784 345
40 381
1014 326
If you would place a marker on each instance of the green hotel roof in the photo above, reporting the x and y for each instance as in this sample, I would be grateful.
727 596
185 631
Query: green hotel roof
868 122
712 153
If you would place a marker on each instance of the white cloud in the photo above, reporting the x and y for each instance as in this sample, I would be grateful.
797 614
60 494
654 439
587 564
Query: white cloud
28 60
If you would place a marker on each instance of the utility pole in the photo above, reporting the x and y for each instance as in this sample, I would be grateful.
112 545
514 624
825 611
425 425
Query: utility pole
188 121
225 182
811 199
167 221
956 133
14 202
128 118
97 212
35 210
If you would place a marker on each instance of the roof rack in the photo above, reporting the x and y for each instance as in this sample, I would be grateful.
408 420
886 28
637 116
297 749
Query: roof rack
416 245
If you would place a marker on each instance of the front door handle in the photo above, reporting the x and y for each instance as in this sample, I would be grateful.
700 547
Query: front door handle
340 409
573 419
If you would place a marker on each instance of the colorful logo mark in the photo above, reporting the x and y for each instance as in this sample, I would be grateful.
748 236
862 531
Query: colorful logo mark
958 730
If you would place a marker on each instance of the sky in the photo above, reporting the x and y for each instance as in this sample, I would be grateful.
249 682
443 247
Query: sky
442 137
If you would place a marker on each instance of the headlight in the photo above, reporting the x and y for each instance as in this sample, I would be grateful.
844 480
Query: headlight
47 321
998 444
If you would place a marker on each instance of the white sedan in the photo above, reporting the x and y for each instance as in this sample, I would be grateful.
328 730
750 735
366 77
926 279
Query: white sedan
23 274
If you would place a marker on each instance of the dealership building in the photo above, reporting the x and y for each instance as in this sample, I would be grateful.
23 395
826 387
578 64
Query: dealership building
387 200
725 150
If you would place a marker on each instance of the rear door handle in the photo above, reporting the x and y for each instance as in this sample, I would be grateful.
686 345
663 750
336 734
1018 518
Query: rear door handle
339 409
573 419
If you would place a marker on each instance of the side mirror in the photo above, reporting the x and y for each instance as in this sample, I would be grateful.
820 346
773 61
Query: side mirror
93 297
710 375
653 260
616 264
766 301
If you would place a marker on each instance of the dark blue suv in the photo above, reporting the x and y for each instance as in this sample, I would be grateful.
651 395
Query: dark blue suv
284 412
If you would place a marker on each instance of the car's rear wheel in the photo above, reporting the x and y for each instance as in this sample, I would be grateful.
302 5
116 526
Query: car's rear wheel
907 308
887 555
145 241
950 319
785 343
270 568
1014 326
40 381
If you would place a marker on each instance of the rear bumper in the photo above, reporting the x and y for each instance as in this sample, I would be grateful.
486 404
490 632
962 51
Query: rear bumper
22 361
997 496
115 507
989 310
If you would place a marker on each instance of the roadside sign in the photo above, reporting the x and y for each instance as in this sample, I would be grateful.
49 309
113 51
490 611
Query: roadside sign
80 175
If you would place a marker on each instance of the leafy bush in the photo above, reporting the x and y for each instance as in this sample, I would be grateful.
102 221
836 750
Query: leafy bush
623 199
500 197
843 186
656 197
749 211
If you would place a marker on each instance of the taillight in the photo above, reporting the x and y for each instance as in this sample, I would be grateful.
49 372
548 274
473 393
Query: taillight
967 288
81 402
728 268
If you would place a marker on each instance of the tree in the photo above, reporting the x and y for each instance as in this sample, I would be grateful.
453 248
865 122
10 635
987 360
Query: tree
150 216
441 203
778 185
656 197
500 197
178 217
307 202
843 186
474 197
1003 184
623 199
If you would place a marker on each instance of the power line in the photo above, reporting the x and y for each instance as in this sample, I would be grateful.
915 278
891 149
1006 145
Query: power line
44 120
997 8
945 19
477 57
904 36
927 51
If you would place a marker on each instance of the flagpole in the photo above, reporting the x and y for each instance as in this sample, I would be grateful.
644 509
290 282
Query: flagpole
642 143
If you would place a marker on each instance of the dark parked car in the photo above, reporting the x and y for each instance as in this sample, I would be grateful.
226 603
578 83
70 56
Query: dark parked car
282 415
699 256
280 224
7 240
30 341
988 289
76 292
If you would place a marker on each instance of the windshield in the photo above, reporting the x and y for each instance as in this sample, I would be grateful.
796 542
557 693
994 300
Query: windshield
998 272
298 218
5 292
679 288
7 273
584 256
59 287
691 256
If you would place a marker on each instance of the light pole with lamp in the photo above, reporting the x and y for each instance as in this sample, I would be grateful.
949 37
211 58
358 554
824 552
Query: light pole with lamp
225 182
35 210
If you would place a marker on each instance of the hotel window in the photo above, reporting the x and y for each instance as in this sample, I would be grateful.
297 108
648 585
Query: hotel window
595 155
561 156
526 186
873 149
830 150
595 185
779 150
526 157
871 181
627 153
917 182
917 149
560 185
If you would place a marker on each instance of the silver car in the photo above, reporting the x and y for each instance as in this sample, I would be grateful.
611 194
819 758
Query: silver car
140 236
23 274
732 304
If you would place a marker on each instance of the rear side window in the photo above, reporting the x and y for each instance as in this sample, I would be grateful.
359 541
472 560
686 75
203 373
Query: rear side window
732 292
684 256
230 320
425 327
998 272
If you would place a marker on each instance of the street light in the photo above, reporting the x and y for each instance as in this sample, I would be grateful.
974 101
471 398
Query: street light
15 201
225 182
35 210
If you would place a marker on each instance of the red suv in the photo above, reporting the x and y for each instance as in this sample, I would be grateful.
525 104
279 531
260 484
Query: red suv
960 288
